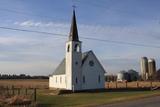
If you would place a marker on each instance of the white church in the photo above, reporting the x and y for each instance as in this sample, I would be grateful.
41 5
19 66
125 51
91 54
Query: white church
77 71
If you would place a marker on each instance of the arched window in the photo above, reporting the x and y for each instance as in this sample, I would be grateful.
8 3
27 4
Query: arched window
76 80
76 62
65 80
91 63
60 79
84 80
68 48
77 48
56 79
99 79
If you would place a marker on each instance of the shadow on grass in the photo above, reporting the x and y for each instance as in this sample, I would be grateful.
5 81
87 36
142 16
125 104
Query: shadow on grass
45 105
107 90
127 89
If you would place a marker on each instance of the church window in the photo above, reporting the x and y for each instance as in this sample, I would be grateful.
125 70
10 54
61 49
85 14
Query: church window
56 79
77 48
76 63
65 80
68 48
99 79
84 80
76 80
60 79
91 63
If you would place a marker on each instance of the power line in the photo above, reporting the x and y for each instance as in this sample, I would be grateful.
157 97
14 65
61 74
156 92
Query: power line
98 4
92 4
107 8
33 31
87 38
28 14
122 42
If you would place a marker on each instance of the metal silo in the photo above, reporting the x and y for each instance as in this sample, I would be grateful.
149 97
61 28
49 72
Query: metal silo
151 68
122 76
144 68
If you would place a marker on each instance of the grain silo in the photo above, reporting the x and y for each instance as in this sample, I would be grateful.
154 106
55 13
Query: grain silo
144 68
120 76
151 68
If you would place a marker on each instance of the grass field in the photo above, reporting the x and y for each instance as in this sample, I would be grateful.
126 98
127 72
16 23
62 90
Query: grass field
25 83
47 98
43 83
90 99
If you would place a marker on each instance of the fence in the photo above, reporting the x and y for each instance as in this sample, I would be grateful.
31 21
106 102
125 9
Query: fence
17 96
137 84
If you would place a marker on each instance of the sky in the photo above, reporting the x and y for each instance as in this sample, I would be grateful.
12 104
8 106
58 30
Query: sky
133 21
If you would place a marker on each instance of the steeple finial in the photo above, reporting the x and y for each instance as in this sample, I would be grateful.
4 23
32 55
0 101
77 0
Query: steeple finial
74 7
73 35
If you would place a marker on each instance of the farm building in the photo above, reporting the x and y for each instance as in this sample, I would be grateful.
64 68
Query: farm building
77 71
131 75
122 76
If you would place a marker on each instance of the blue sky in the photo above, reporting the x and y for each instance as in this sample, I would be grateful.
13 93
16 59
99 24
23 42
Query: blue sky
136 21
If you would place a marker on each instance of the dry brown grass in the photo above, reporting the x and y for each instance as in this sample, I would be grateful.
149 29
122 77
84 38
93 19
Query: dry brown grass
15 100
25 83
43 83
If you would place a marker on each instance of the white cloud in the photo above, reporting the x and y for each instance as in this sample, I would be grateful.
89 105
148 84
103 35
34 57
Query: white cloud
31 23
11 40
43 48
31 68
140 34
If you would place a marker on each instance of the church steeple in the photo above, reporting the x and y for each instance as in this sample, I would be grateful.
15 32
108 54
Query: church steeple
73 35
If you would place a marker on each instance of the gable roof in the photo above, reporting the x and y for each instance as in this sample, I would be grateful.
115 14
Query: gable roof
97 61
60 70
85 56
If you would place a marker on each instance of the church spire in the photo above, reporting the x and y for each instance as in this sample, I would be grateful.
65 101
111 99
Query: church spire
73 35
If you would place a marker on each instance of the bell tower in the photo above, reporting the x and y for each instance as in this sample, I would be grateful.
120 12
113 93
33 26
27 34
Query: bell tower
73 58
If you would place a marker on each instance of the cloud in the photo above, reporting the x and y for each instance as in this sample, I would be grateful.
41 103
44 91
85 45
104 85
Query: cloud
131 33
22 51
30 49
31 23
11 40
31 68
25 48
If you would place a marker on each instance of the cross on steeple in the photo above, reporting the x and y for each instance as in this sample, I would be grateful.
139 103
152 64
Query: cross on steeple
74 4
74 7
